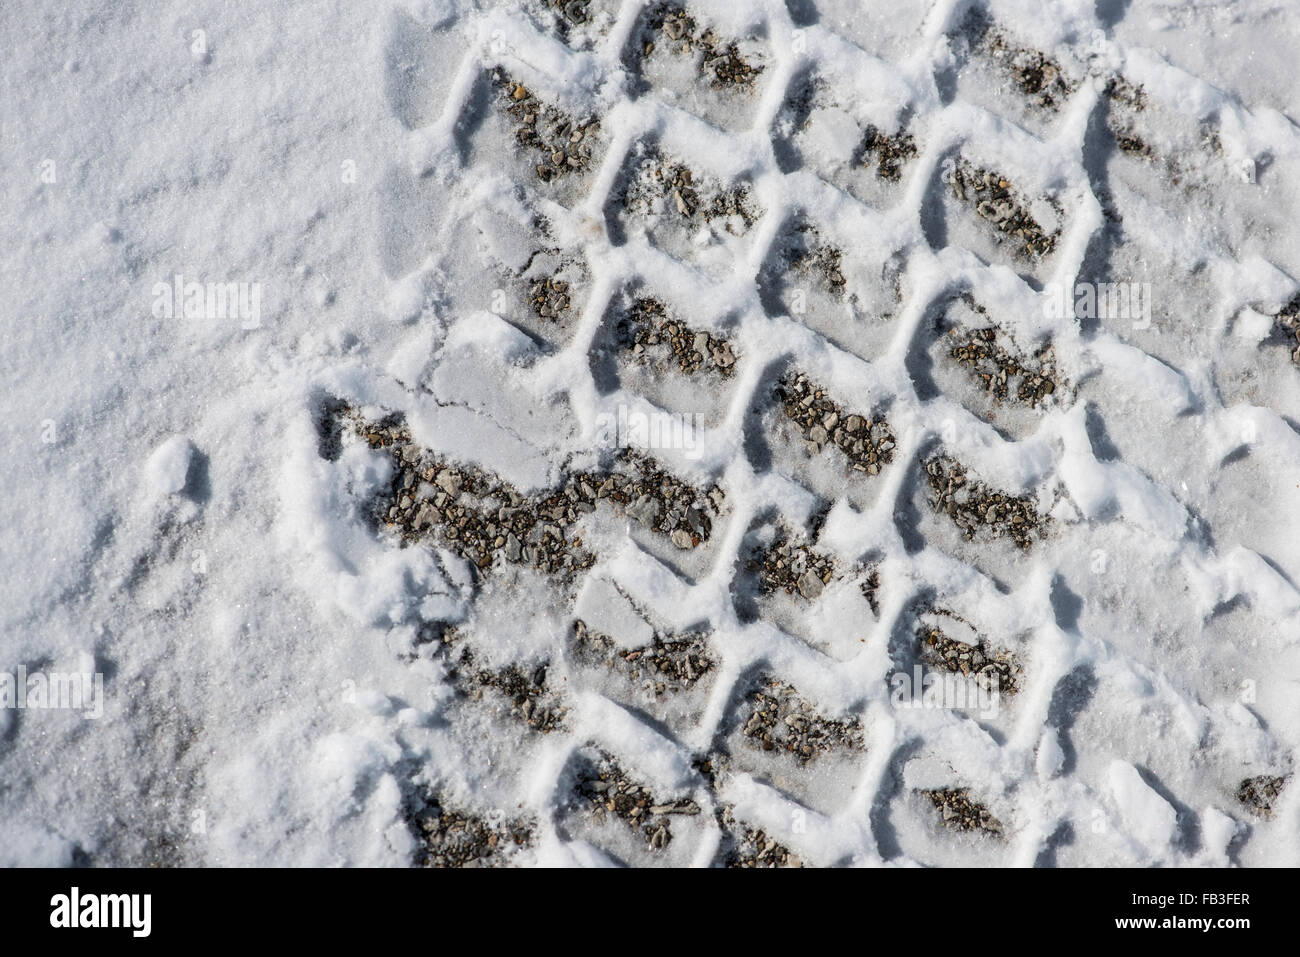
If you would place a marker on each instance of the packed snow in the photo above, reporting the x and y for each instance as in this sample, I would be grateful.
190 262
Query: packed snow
247 239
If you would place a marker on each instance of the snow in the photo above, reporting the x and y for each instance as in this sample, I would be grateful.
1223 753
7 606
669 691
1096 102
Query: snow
168 468
603 607
1145 814
173 522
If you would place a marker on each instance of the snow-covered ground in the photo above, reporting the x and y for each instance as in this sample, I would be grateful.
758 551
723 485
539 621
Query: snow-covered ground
327 325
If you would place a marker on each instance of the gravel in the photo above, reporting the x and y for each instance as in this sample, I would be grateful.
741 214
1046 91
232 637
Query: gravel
1038 76
812 257
562 143
530 700
961 813
866 443
999 204
657 181
549 298
454 838
795 568
781 720
979 511
720 59
890 152
480 517
751 847
996 364
992 668
651 336
1288 324
605 789
668 665
1259 793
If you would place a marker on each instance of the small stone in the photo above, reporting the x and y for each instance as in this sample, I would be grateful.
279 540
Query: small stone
423 517
449 482
645 510
513 549
810 586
